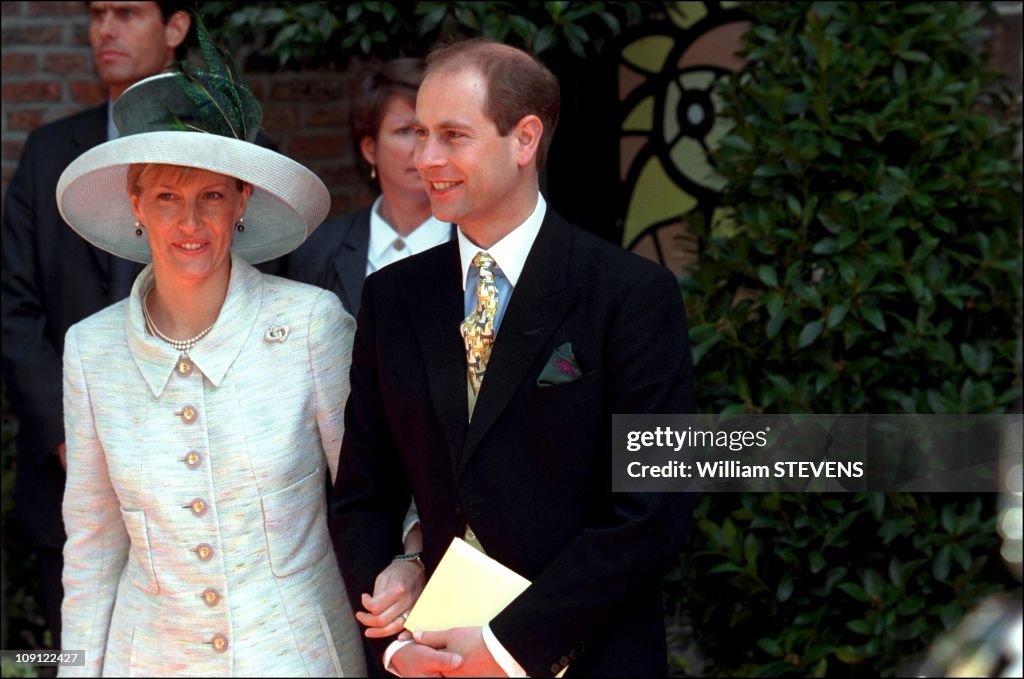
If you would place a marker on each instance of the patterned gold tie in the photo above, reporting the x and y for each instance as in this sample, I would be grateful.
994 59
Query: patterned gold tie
478 328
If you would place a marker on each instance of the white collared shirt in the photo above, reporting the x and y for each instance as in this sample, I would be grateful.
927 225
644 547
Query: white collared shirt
386 246
511 251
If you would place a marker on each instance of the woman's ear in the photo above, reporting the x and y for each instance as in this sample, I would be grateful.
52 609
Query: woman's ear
368 147
135 207
247 190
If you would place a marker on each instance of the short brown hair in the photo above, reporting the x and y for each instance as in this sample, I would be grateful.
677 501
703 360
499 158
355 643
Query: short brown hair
377 84
518 84
138 173
169 9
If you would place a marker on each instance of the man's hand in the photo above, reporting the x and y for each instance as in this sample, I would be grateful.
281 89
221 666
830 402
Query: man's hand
466 642
394 592
417 660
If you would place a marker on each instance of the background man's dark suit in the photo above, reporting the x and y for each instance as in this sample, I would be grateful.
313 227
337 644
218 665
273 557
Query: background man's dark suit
531 473
52 278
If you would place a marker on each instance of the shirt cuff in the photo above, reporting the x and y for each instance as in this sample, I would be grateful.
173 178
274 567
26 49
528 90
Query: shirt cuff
389 653
501 656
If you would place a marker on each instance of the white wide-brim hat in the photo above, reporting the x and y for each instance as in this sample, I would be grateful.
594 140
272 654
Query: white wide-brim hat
287 204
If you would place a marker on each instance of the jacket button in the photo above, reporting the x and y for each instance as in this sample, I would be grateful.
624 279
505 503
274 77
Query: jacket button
563 661
204 552
210 597
192 460
555 668
188 414
198 506
219 643
183 367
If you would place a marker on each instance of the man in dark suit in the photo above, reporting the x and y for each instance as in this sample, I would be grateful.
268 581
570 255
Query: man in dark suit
53 279
485 372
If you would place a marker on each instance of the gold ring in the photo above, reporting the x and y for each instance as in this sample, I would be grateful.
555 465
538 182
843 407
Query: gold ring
404 616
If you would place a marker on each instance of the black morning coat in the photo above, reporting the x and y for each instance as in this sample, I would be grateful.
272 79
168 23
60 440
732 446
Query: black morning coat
531 474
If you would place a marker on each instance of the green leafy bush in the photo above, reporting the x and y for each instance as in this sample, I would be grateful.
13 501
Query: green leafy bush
838 585
294 31
871 264
22 625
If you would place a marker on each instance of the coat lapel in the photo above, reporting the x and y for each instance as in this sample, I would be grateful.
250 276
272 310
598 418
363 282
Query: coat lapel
540 301
436 309
350 260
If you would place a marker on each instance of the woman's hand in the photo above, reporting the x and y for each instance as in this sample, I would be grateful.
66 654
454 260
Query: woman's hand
395 590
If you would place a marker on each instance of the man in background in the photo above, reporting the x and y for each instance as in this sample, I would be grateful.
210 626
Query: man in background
53 279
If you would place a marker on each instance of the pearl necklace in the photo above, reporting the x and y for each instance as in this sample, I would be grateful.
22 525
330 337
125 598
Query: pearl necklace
184 366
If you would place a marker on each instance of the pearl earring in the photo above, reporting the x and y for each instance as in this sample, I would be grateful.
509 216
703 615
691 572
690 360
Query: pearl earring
373 172
240 225
138 230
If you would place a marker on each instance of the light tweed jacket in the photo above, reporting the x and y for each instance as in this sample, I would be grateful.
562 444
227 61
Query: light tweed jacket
195 510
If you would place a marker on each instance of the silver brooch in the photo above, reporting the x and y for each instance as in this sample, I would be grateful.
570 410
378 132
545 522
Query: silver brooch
276 333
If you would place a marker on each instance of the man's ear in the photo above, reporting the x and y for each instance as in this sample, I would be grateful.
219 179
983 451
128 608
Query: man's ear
176 30
527 134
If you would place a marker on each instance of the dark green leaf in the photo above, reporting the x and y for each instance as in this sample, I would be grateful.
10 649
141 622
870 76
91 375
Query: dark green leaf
785 588
770 646
810 332
544 39
837 313
432 18
854 590
941 564
874 316
767 276
860 627
914 56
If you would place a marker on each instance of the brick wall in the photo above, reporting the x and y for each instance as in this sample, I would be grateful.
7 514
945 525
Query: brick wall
48 74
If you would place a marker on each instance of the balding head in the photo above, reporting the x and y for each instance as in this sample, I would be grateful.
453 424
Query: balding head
518 85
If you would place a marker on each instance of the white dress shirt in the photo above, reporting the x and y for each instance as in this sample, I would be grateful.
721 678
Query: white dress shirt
386 246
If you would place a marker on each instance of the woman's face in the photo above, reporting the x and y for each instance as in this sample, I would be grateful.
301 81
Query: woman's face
189 216
392 152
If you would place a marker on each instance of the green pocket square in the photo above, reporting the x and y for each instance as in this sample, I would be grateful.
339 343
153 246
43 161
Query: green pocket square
561 367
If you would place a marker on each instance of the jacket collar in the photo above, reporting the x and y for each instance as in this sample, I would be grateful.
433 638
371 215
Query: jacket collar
215 353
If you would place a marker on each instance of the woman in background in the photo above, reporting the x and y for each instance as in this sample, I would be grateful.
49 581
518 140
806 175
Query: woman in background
345 250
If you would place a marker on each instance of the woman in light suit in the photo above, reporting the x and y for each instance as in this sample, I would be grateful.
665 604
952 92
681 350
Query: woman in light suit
204 411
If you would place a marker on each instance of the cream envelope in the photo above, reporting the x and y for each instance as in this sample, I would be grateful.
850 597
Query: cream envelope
468 588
